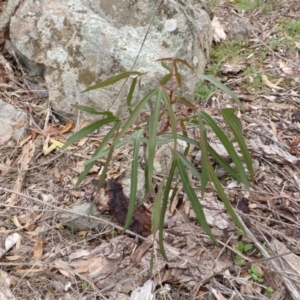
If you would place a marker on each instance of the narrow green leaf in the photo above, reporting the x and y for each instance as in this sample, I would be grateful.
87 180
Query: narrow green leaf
87 130
189 165
166 79
105 168
177 74
223 163
194 200
100 148
99 154
231 119
164 65
224 198
83 174
111 80
153 127
186 102
184 133
228 146
164 208
93 111
134 178
204 155
130 94
155 221
221 86
135 113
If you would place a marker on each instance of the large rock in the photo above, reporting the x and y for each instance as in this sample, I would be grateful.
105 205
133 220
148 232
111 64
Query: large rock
81 42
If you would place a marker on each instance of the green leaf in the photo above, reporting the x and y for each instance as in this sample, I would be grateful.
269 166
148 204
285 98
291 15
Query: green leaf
117 145
231 119
177 74
135 113
221 86
228 146
165 79
186 102
87 130
156 213
223 163
153 126
164 208
100 148
130 94
93 111
164 65
133 179
194 200
105 168
223 197
204 155
189 165
111 80
248 247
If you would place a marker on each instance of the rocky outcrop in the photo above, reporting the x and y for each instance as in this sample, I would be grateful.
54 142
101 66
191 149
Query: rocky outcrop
81 42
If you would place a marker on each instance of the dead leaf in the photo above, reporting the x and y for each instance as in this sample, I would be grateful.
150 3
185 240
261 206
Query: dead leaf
268 83
16 222
13 257
38 248
11 240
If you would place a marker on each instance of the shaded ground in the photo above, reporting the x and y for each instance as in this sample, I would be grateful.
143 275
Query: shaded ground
51 261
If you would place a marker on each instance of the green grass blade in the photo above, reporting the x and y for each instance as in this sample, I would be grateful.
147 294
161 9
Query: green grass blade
83 174
111 80
222 162
186 102
164 209
87 130
221 86
153 127
130 94
105 168
177 74
224 198
234 123
189 165
134 178
228 146
135 113
100 148
156 212
117 145
204 155
194 200
165 79
164 65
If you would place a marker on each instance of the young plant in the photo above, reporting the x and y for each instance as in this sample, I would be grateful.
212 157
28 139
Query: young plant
167 119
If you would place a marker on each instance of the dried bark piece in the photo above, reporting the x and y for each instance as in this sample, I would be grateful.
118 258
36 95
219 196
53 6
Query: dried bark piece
111 198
